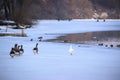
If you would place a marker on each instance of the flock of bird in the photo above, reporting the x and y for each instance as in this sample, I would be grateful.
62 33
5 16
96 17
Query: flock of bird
18 50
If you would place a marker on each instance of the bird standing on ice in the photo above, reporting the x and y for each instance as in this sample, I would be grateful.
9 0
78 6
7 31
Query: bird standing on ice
71 50
12 53
35 50
21 50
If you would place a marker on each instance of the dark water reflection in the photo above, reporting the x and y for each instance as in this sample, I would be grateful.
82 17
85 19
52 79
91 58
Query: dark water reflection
93 36
111 37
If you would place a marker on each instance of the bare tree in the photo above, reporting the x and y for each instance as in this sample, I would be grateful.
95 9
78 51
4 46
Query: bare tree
21 13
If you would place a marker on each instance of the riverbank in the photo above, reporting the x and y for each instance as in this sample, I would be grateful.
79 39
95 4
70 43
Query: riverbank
75 31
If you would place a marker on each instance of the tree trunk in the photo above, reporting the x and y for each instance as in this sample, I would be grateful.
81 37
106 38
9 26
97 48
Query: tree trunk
22 32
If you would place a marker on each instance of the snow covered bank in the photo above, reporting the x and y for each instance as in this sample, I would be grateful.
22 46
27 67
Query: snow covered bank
66 27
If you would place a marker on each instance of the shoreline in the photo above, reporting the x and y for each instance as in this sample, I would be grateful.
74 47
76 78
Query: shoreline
101 38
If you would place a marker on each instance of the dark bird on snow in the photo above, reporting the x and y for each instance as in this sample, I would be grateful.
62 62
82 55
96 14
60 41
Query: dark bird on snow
17 50
12 53
21 49
35 49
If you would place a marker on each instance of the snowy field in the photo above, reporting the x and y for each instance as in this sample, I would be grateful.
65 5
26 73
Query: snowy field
89 62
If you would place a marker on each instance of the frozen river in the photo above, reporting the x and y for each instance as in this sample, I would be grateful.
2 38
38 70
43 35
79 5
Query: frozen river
89 62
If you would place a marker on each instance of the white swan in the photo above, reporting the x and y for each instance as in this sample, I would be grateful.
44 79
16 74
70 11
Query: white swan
71 50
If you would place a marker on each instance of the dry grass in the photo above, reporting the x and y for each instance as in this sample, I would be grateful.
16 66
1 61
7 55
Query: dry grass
13 34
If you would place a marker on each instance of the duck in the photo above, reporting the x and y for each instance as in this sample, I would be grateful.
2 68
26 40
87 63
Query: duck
71 50
111 45
31 39
40 38
35 49
12 52
118 45
21 49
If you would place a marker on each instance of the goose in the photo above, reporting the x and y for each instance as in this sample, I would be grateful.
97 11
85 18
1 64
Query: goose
12 53
71 50
35 50
21 50
17 50
15 47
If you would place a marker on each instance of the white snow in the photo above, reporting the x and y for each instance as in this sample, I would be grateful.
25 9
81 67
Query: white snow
54 62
